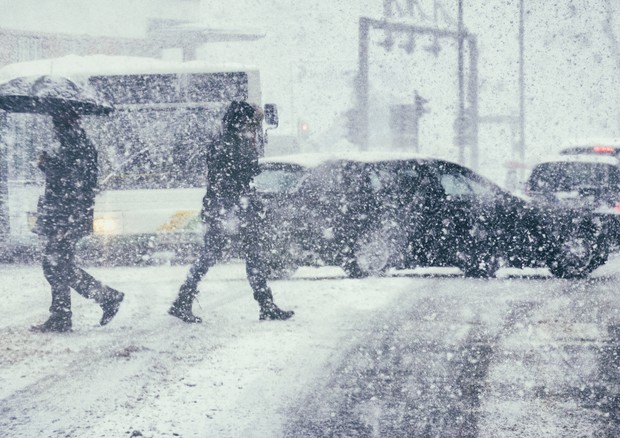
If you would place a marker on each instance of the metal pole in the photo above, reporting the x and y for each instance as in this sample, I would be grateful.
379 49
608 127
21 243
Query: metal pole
521 150
472 100
5 230
461 95
362 84
415 130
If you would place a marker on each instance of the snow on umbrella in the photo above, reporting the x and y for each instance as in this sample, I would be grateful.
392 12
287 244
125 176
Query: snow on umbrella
49 94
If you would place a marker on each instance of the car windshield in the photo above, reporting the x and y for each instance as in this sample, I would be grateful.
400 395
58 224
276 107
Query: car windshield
278 179
565 176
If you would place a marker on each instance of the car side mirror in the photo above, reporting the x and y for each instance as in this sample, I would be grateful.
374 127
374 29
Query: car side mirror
271 115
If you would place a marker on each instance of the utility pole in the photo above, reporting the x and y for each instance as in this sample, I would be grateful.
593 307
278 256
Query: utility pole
521 145
472 103
460 128
362 83
465 124
4 189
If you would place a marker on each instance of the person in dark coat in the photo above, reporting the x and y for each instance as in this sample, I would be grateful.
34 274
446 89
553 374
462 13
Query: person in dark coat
230 207
65 215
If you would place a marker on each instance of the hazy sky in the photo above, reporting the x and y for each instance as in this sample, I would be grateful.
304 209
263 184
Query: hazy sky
572 78
308 59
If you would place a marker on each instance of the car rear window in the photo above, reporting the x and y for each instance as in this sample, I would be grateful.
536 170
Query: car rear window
565 176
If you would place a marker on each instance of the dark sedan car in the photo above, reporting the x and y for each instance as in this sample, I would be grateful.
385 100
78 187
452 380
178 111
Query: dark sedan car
374 211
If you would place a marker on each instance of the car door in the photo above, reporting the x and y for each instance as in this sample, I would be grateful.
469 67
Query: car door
277 186
404 207
467 216
424 213
312 217
329 208
354 206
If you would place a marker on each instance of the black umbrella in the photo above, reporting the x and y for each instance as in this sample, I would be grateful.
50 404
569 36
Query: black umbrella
50 94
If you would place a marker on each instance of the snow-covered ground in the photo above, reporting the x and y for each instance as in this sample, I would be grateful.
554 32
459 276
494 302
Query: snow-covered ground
148 374
147 371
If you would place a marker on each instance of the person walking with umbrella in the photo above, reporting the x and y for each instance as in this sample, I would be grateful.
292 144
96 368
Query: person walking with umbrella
65 215
65 211
230 206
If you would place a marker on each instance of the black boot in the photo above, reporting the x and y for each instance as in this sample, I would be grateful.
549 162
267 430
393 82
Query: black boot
182 307
110 305
58 322
270 312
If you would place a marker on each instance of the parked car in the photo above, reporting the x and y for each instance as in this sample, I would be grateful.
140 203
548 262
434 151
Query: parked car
588 184
374 211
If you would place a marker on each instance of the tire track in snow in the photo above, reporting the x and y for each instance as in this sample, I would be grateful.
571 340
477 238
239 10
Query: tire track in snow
555 374
407 381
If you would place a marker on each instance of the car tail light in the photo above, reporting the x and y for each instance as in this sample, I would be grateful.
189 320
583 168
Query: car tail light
603 149
617 206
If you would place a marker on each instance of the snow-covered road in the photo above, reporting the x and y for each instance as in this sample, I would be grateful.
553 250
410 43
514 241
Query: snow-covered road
407 355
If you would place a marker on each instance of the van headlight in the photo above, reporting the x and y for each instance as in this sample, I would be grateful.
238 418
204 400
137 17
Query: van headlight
107 223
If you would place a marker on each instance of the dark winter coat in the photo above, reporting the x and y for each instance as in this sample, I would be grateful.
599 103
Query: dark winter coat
232 162
66 207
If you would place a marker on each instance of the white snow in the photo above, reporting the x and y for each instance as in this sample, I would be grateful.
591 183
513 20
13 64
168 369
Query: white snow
234 376
369 156
146 371
74 66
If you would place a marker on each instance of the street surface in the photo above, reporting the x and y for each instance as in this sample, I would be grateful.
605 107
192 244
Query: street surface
418 353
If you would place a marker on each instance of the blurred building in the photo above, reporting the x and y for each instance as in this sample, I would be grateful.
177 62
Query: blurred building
24 45
40 29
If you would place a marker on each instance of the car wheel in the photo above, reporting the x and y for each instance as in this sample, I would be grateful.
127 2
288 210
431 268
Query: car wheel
371 255
577 254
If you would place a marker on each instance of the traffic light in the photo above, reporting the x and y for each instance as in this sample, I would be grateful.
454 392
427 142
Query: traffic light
303 129
420 103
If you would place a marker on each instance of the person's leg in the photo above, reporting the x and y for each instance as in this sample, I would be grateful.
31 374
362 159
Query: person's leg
57 261
254 249
209 254
108 298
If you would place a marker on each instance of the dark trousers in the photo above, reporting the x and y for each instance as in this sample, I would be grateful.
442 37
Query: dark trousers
62 274
221 226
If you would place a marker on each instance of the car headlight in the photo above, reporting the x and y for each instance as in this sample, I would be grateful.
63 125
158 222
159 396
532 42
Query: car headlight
108 223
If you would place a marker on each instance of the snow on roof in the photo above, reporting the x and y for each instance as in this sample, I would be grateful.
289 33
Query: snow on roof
77 67
227 33
315 159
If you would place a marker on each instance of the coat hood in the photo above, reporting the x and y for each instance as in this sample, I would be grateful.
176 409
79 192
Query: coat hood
240 114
